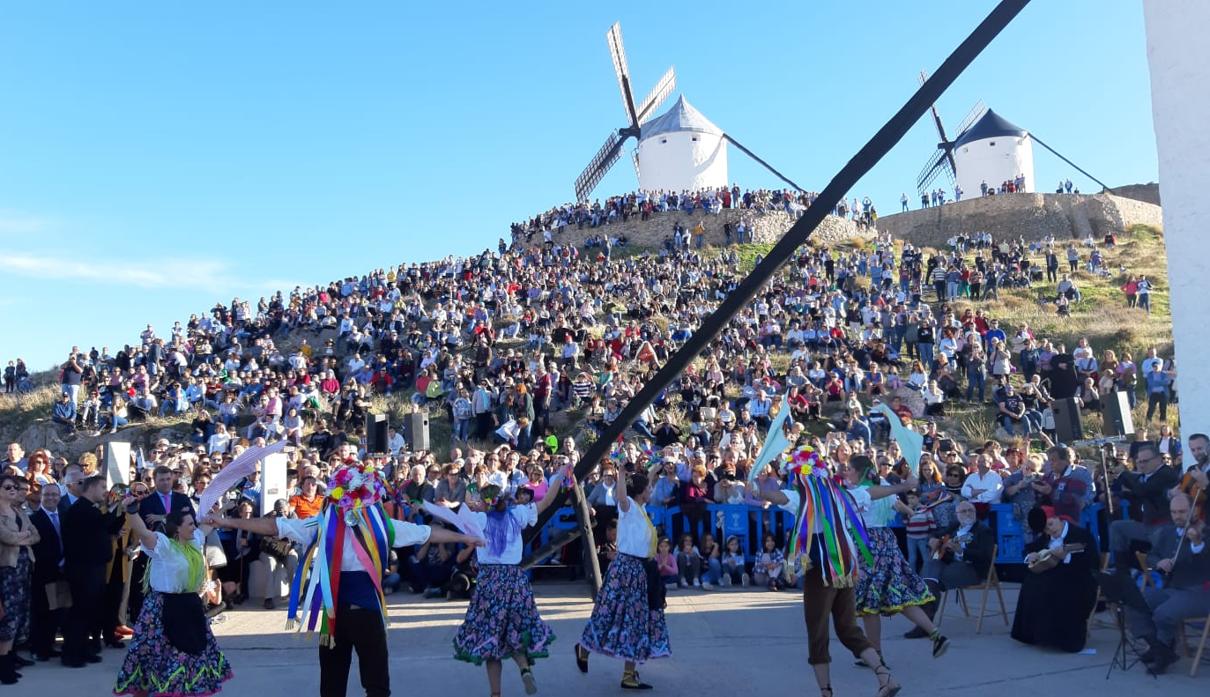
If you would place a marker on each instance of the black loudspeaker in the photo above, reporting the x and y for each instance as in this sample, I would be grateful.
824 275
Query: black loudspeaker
376 433
416 431
1118 419
1067 420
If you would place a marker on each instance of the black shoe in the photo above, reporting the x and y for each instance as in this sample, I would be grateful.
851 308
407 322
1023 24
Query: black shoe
21 661
581 659
1163 658
269 604
48 655
940 645
916 633
630 681
73 663
93 659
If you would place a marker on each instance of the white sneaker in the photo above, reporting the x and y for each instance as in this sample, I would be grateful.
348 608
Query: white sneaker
697 583
745 580
707 586
725 581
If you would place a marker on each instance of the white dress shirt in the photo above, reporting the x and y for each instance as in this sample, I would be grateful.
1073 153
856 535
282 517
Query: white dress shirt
991 483
304 532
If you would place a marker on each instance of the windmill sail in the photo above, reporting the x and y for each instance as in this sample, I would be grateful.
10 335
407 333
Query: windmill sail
598 166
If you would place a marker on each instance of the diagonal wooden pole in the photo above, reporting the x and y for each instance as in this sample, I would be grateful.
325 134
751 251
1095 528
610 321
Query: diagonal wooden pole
861 163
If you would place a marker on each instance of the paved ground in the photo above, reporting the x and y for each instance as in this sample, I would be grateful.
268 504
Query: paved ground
724 643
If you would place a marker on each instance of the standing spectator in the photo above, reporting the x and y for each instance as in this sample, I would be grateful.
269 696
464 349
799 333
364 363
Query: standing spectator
87 549
17 534
1157 382
45 622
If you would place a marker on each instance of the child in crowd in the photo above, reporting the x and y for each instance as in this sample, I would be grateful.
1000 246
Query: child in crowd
733 564
666 560
689 562
920 524
769 563
712 564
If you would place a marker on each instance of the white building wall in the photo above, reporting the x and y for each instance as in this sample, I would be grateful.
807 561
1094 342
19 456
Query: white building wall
1180 104
981 161
682 160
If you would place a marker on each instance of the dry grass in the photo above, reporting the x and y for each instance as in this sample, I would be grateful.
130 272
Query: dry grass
19 411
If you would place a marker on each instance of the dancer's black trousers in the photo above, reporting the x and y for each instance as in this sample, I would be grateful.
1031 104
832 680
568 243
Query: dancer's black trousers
361 630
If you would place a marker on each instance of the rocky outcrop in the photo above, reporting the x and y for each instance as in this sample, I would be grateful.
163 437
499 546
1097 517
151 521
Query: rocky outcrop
1147 193
45 434
1032 216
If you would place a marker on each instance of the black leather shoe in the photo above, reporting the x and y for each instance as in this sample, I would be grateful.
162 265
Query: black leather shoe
93 659
21 661
581 659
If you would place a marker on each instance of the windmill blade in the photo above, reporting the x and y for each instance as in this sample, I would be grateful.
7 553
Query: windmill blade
598 166
618 53
634 155
653 100
972 116
935 167
943 144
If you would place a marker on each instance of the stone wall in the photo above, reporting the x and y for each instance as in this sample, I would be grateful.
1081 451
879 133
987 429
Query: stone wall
766 227
1033 216
1147 193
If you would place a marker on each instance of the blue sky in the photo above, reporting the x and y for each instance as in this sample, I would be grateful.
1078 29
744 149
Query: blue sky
158 157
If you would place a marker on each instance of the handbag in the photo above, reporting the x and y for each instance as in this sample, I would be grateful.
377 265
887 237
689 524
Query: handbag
656 592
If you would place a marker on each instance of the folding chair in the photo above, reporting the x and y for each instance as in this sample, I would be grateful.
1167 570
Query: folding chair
993 581
1092 616
1182 642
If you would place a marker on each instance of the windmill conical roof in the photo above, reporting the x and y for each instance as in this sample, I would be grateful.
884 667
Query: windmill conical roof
990 125
681 117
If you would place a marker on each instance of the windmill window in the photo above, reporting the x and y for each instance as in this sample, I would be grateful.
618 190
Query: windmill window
663 141
991 143
695 138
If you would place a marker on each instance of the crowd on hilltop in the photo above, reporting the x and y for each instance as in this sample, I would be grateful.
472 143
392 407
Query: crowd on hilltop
545 227
524 351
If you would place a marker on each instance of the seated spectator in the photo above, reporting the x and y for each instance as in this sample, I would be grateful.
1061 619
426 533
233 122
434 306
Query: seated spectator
769 564
688 563
733 566
64 413
961 555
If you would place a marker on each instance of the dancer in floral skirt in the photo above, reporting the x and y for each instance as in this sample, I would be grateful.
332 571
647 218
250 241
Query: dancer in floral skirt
628 617
888 586
173 653
502 619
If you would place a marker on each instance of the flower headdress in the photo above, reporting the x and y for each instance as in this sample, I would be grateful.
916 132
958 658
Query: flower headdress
355 486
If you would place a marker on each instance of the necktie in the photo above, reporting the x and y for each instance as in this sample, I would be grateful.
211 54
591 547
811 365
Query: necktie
54 521
167 499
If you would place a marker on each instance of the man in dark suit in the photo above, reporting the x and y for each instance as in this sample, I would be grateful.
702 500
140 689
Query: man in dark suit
1146 488
87 548
45 623
154 508
1178 550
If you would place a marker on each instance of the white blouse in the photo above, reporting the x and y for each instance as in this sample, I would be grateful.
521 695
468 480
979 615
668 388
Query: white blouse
636 534
525 516
304 532
169 569
793 504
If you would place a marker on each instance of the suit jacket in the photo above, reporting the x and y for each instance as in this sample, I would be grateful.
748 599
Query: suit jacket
154 505
1191 570
1150 497
65 503
48 552
978 552
88 534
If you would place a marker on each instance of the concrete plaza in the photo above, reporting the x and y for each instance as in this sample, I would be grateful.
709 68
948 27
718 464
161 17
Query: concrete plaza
735 642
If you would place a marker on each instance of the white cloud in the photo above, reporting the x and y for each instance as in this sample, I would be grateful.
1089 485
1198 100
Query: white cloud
17 223
193 274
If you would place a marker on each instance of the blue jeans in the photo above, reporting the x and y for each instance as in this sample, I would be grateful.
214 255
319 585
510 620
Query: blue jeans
926 354
918 549
712 572
976 378
642 429
462 429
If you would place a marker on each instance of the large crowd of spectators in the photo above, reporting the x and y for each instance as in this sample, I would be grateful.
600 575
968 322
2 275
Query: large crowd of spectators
525 352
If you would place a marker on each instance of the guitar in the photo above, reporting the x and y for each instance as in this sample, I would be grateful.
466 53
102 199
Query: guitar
1048 558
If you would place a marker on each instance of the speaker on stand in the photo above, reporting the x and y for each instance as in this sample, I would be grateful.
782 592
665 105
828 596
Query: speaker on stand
1067 420
1118 418
416 431
376 434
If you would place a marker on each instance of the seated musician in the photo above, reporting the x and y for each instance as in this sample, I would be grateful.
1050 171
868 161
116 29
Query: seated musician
1057 597
1196 481
1147 489
962 555
1178 550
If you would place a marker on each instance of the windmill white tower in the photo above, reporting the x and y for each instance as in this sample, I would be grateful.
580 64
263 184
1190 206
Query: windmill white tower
993 151
682 150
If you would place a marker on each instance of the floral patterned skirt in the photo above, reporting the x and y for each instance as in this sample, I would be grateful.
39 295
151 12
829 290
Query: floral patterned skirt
502 619
155 667
622 624
890 585
14 596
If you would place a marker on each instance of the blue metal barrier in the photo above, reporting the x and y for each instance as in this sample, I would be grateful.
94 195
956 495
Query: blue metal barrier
750 523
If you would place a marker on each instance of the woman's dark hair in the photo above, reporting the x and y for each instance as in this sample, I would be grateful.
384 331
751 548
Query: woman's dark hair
173 521
866 470
636 484
11 478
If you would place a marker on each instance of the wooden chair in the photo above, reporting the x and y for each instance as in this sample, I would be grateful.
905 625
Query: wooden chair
1182 643
1142 559
993 581
1092 616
